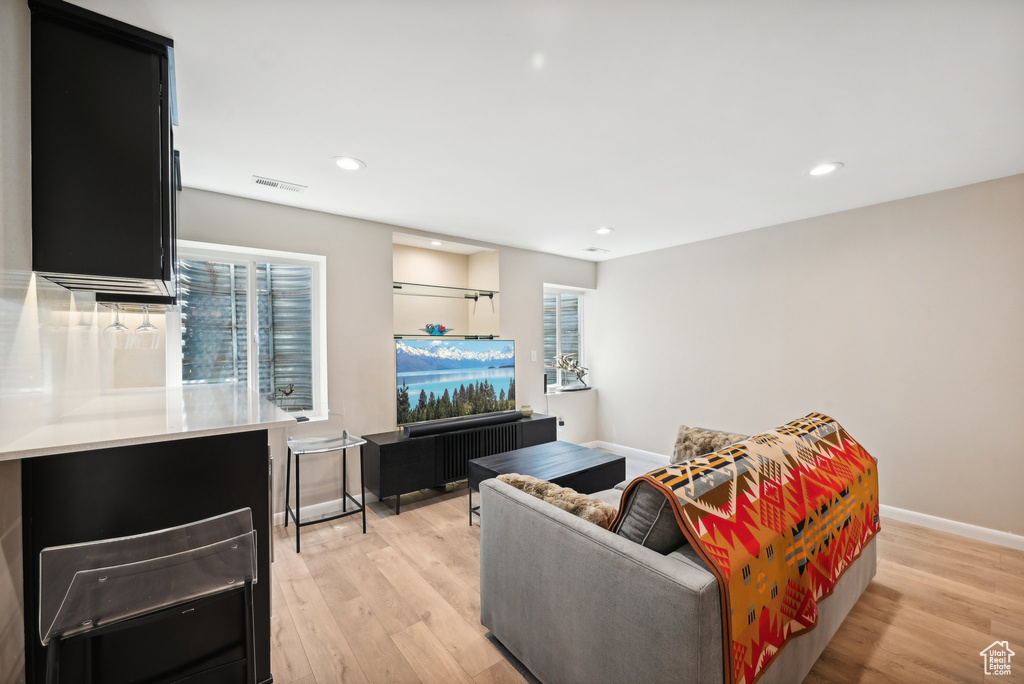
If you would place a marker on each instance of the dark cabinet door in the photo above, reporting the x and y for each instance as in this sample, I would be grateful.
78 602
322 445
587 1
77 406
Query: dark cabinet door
101 149
538 429
122 491
407 466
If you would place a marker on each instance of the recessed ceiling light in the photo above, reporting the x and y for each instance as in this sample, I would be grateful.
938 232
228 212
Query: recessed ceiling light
826 168
349 163
604 230
436 243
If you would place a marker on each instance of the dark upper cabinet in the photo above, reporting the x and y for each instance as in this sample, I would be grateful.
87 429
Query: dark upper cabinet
103 169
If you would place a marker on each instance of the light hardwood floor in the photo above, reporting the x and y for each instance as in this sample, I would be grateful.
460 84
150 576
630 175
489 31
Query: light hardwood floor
402 604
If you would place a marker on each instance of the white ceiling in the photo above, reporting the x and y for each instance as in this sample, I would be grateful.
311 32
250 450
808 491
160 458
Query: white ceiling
533 123
423 242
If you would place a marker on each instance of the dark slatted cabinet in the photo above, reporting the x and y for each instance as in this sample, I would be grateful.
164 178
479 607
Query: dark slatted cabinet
396 464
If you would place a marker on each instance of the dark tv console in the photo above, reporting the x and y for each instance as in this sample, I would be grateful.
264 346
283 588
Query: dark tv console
396 464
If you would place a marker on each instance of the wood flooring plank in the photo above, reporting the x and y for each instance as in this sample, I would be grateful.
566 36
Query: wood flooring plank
420 551
499 673
901 655
327 569
380 658
287 563
288 660
1003 630
469 648
945 597
380 595
959 639
330 656
457 544
342 528
1008 559
954 567
412 583
432 662
864 665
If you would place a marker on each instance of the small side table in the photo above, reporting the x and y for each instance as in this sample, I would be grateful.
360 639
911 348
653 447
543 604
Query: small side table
322 445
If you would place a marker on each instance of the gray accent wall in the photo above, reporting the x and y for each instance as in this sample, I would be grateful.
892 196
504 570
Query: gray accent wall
903 320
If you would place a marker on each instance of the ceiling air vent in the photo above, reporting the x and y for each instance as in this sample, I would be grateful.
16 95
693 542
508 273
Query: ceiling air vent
279 185
595 250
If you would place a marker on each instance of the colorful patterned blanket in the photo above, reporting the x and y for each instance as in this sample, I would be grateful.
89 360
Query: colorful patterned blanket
778 518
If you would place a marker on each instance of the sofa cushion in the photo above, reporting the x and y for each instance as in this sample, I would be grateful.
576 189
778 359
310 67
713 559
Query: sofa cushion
692 442
582 506
647 519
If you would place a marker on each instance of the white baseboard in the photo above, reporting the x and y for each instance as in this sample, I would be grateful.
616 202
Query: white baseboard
321 508
656 459
985 534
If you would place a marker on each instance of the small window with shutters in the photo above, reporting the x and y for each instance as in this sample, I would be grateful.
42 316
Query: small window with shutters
280 350
562 325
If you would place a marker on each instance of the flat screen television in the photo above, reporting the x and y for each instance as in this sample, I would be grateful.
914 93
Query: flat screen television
439 379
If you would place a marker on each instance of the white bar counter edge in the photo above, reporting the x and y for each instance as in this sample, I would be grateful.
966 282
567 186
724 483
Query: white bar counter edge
139 416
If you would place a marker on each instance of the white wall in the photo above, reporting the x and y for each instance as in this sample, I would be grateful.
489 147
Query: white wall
523 275
484 274
15 142
359 316
360 354
904 321
15 256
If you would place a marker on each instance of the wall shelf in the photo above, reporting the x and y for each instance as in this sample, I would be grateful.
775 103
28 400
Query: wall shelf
421 290
399 336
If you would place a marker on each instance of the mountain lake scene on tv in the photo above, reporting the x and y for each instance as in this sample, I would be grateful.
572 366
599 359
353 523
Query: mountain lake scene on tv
451 378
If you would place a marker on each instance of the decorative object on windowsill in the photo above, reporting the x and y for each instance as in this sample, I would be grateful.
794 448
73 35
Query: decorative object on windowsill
117 335
147 335
569 363
435 329
526 410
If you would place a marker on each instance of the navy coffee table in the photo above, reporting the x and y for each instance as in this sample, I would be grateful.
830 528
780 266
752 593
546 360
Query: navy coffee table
567 465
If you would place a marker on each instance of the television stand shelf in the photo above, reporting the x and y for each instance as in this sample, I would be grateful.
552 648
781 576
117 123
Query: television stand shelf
396 464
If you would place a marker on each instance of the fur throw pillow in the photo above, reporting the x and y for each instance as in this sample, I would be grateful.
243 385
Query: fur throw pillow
692 442
582 506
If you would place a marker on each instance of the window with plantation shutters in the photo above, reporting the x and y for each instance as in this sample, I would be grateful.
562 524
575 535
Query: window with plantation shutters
217 291
562 315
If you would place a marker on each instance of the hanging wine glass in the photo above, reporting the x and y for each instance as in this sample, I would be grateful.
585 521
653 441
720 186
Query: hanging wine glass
117 335
147 335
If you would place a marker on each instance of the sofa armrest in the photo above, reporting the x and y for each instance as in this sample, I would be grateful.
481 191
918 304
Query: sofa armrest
575 602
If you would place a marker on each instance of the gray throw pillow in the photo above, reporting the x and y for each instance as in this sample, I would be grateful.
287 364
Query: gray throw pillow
647 519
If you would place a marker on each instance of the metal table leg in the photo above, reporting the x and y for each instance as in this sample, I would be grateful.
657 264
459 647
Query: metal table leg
362 487
298 506
287 485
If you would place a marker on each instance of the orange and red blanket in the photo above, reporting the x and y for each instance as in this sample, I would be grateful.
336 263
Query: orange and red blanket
778 518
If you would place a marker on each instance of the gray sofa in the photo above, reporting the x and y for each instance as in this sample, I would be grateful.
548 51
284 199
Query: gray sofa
576 603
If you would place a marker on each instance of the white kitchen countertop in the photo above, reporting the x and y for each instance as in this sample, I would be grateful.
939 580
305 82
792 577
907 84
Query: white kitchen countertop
139 416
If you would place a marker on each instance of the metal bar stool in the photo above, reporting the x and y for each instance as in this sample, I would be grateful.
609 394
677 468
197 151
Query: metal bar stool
322 445
96 588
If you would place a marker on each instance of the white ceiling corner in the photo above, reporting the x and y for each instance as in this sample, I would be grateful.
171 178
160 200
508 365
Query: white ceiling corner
533 123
